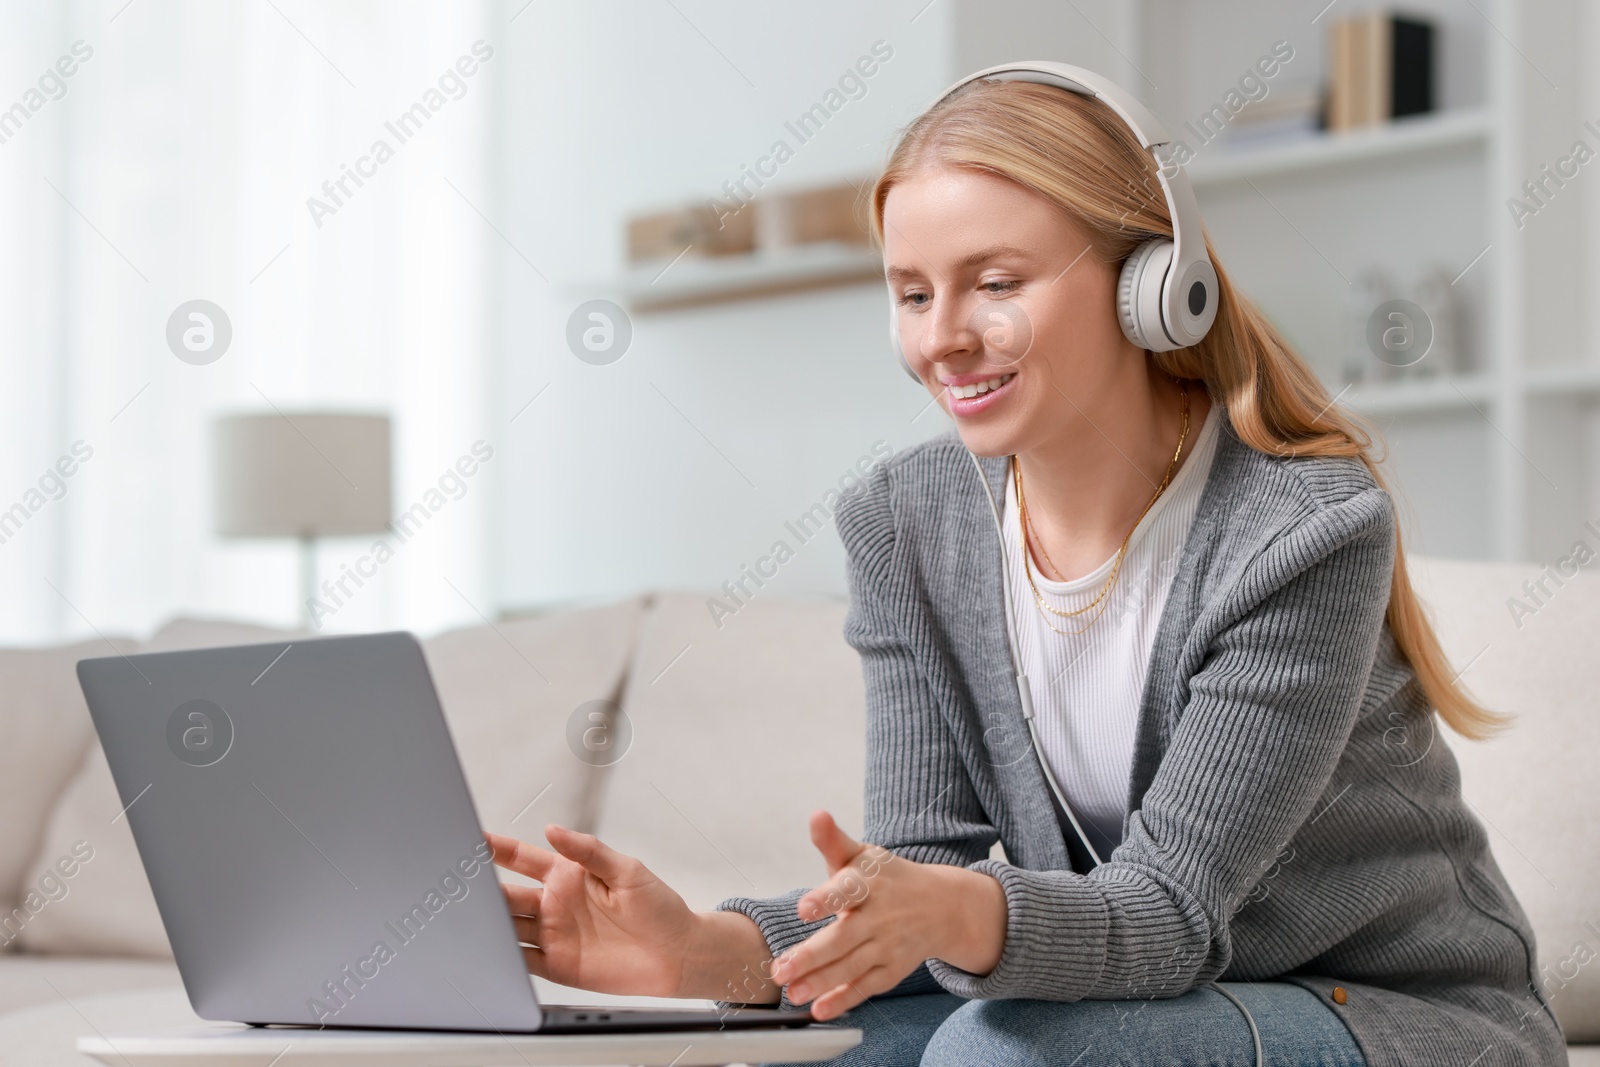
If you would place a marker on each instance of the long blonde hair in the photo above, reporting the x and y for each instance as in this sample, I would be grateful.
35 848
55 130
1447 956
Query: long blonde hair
1075 152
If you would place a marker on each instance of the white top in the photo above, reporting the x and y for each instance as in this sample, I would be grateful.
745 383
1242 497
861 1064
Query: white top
1087 687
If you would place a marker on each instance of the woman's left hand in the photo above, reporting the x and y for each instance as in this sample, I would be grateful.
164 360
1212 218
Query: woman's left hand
893 914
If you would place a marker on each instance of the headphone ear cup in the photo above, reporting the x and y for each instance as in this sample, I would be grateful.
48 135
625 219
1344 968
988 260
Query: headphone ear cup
1139 295
1198 305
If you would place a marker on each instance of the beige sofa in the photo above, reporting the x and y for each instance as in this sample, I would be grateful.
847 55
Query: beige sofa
737 733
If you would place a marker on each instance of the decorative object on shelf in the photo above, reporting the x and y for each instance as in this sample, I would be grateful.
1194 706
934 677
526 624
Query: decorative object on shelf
301 475
1403 332
1440 301
1380 67
1371 288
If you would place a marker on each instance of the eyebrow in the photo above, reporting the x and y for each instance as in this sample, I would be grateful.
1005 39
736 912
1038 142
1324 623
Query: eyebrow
971 259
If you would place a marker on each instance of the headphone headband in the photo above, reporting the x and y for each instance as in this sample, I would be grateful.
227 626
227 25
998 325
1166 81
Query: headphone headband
1140 119
1150 131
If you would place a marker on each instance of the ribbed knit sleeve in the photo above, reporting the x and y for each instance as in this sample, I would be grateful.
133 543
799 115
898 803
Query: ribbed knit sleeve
1267 716
780 925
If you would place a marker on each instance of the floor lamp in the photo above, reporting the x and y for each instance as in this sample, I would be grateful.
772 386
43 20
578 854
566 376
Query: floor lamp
303 475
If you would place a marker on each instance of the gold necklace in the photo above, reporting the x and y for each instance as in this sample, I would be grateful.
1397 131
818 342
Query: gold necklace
1025 524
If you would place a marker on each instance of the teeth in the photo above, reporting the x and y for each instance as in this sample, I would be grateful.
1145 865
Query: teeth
967 392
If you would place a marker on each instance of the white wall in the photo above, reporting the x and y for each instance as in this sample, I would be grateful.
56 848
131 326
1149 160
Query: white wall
680 463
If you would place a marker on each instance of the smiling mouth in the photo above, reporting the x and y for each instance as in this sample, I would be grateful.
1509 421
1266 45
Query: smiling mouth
967 392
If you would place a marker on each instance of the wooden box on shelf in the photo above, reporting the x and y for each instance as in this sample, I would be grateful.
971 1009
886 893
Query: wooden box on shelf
829 213
666 235
777 245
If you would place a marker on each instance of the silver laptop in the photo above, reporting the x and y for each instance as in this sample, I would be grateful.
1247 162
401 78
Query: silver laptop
304 822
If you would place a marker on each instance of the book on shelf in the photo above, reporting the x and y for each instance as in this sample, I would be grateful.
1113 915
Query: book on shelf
1380 67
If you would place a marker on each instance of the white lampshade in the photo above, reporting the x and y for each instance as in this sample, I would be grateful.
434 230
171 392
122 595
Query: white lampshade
300 474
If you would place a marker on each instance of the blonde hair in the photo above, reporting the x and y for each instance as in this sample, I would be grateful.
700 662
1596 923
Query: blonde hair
1075 152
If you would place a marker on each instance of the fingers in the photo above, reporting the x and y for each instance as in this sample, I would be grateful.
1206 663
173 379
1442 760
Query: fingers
535 961
848 995
810 986
525 903
519 856
523 899
587 850
820 950
837 847
847 888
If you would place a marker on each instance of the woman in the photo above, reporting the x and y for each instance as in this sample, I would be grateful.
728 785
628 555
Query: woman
1257 833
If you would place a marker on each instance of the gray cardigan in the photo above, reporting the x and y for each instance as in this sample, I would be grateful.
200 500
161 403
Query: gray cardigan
1292 812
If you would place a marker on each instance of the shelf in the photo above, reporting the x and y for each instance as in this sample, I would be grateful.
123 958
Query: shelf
1424 395
693 282
697 281
1418 395
1396 140
1556 381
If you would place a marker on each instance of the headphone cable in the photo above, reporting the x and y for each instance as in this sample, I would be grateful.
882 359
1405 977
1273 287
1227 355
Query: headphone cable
1025 695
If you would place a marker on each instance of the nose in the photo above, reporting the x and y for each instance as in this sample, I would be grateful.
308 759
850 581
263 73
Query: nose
944 332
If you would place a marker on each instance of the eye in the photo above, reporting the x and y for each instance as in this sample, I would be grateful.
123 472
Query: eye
998 286
914 299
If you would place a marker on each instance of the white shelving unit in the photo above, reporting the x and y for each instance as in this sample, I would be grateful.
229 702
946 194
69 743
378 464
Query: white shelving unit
1562 381
1476 453
1418 395
1481 452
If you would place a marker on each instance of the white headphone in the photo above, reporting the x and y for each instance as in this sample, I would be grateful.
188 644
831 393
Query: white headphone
1167 295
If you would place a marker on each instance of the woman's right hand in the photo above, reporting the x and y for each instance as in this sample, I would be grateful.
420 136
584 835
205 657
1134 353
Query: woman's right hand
601 920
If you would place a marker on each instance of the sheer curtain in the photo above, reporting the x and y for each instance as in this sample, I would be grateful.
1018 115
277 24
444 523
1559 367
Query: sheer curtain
184 158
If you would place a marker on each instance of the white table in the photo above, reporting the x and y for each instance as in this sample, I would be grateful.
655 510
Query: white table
242 1046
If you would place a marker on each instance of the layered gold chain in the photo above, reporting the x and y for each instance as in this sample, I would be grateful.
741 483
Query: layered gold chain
1025 525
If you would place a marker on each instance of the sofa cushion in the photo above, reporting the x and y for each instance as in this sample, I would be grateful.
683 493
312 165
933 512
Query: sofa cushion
510 693
508 725
108 909
46 728
738 734
1533 785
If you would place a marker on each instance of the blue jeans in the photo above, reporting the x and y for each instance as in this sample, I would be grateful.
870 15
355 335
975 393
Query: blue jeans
1202 1028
